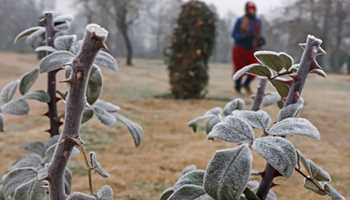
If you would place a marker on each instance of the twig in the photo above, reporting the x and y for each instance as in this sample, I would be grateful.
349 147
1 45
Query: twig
51 79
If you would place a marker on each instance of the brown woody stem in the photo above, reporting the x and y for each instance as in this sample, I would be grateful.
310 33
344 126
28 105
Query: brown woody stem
51 79
308 57
259 97
75 103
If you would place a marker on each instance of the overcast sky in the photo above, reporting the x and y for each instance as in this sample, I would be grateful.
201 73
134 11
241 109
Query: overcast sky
265 7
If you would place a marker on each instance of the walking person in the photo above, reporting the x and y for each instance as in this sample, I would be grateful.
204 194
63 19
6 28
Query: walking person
247 39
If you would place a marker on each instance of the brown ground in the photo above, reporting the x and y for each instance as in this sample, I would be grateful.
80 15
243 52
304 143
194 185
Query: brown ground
142 173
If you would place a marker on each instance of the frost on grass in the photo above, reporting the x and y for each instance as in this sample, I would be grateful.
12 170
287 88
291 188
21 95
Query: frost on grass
228 173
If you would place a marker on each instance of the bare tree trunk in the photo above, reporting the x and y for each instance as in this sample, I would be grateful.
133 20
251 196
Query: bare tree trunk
327 6
128 45
341 16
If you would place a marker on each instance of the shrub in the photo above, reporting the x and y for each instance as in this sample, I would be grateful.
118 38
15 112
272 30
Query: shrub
44 169
191 47
229 174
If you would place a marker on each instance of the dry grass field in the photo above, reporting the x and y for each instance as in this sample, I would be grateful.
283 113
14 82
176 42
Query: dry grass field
169 145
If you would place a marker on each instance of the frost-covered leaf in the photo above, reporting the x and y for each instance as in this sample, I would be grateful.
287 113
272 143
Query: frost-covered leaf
15 178
30 160
39 95
234 130
36 147
105 193
295 126
109 107
104 59
28 80
55 61
76 46
316 172
214 111
204 119
1 123
254 185
275 61
166 193
94 87
97 166
135 129
291 110
314 186
319 72
88 113
30 190
333 193
8 92
16 107
45 48
257 119
256 69
62 19
235 104
271 99
194 177
80 196
213 121
104 117
64 42
28 32
228 173
37 38
188 169
281 87
278 152
190 192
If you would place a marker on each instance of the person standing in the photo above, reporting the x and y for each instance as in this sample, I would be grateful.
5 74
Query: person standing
247 39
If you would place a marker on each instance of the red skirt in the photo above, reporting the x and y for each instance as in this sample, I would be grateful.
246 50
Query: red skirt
242 57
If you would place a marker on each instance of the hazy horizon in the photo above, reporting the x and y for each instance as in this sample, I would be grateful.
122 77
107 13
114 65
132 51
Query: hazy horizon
224 6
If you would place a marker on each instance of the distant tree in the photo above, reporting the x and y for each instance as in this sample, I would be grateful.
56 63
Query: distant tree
191 47
123 13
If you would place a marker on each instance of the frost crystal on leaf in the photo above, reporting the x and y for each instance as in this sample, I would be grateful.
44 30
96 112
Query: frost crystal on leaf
257 119
271 99
97 166
234 130
192 192
236 104
28 80
228 173
55 61
105 193
291 110
295 126
16 107
278 152
194 177
8 92
135 129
